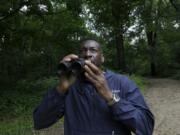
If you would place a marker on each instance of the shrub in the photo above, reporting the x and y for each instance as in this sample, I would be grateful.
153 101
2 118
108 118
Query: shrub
17 105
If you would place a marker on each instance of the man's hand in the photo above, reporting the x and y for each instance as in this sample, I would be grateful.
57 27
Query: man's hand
96 76
66 81
69 57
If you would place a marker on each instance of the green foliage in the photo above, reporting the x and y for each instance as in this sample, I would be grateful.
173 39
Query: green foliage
140 81
24 97
17 105
17 126
34 41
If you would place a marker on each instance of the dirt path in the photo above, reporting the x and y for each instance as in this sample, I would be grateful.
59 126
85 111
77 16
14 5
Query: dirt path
163 97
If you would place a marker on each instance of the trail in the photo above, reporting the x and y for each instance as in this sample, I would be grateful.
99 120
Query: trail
163 97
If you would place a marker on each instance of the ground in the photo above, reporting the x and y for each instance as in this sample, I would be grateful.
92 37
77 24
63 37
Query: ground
163 97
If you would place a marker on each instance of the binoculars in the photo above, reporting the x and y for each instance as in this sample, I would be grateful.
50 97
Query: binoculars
74 67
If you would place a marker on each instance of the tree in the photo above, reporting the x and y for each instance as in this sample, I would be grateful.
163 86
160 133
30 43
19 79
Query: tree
112 18
34 37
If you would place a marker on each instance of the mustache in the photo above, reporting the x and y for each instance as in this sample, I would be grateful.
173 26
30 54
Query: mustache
92 59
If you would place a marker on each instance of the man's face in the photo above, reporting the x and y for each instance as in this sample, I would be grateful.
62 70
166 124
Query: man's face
91 50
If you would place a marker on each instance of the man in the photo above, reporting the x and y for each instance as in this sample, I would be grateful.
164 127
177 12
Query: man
104 103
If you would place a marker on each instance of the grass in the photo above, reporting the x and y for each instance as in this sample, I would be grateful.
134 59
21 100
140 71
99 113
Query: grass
140 81
16 113
16 126
17 105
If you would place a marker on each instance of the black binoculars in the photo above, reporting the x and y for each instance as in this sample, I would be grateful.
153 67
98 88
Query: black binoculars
74 67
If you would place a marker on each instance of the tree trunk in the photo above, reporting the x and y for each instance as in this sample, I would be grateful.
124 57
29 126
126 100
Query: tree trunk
120 48
151 37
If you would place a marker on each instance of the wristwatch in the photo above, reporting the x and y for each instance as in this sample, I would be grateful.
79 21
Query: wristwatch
115 98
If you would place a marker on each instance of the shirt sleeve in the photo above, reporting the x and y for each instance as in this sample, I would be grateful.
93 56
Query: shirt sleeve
132 110
50 110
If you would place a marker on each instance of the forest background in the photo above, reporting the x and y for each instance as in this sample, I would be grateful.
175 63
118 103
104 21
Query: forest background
140 38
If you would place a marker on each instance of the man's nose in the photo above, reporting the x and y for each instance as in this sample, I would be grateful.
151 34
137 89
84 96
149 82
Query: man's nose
88 54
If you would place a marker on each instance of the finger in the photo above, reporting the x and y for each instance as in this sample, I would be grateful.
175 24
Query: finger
90 72
66 59
90 78
73 56
69 58
93 67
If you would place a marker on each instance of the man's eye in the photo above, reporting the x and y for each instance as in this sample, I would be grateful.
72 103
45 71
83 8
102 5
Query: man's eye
82 50
93 50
